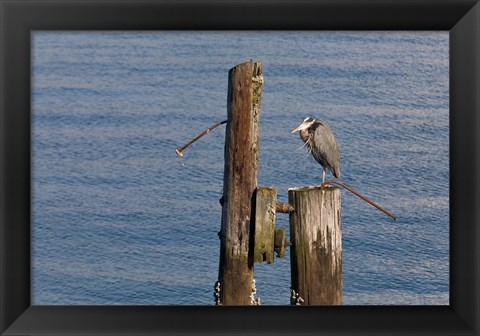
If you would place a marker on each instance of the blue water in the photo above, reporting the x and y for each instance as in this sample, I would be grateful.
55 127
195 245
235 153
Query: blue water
119 218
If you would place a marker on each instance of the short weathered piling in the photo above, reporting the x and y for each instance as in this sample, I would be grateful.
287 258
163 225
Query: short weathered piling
245 83
265 200
316 246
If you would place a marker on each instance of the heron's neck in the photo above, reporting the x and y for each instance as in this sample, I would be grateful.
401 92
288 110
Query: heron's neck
304 135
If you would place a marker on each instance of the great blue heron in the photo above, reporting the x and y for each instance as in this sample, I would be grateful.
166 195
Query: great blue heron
321 143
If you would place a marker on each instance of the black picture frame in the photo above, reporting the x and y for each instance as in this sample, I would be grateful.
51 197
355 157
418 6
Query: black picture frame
18 18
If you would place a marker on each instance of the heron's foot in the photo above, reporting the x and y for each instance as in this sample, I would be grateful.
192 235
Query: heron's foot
322 186
325 185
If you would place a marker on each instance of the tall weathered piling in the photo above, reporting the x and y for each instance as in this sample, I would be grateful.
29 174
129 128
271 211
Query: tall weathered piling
245 83
316 246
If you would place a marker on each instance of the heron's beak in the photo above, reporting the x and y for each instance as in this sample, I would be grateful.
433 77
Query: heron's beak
299 128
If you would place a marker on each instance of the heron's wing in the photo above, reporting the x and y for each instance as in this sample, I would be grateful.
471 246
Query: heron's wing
324 147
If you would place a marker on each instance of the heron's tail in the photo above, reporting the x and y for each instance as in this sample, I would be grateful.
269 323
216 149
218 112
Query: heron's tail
335 171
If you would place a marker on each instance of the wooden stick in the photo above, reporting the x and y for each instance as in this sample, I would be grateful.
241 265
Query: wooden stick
359 195
180 150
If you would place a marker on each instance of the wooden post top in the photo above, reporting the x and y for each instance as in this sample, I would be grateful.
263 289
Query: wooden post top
309 188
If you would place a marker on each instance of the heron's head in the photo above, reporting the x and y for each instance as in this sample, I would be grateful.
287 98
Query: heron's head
304 125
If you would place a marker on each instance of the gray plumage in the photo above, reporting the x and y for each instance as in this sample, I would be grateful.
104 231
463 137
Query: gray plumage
321 143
